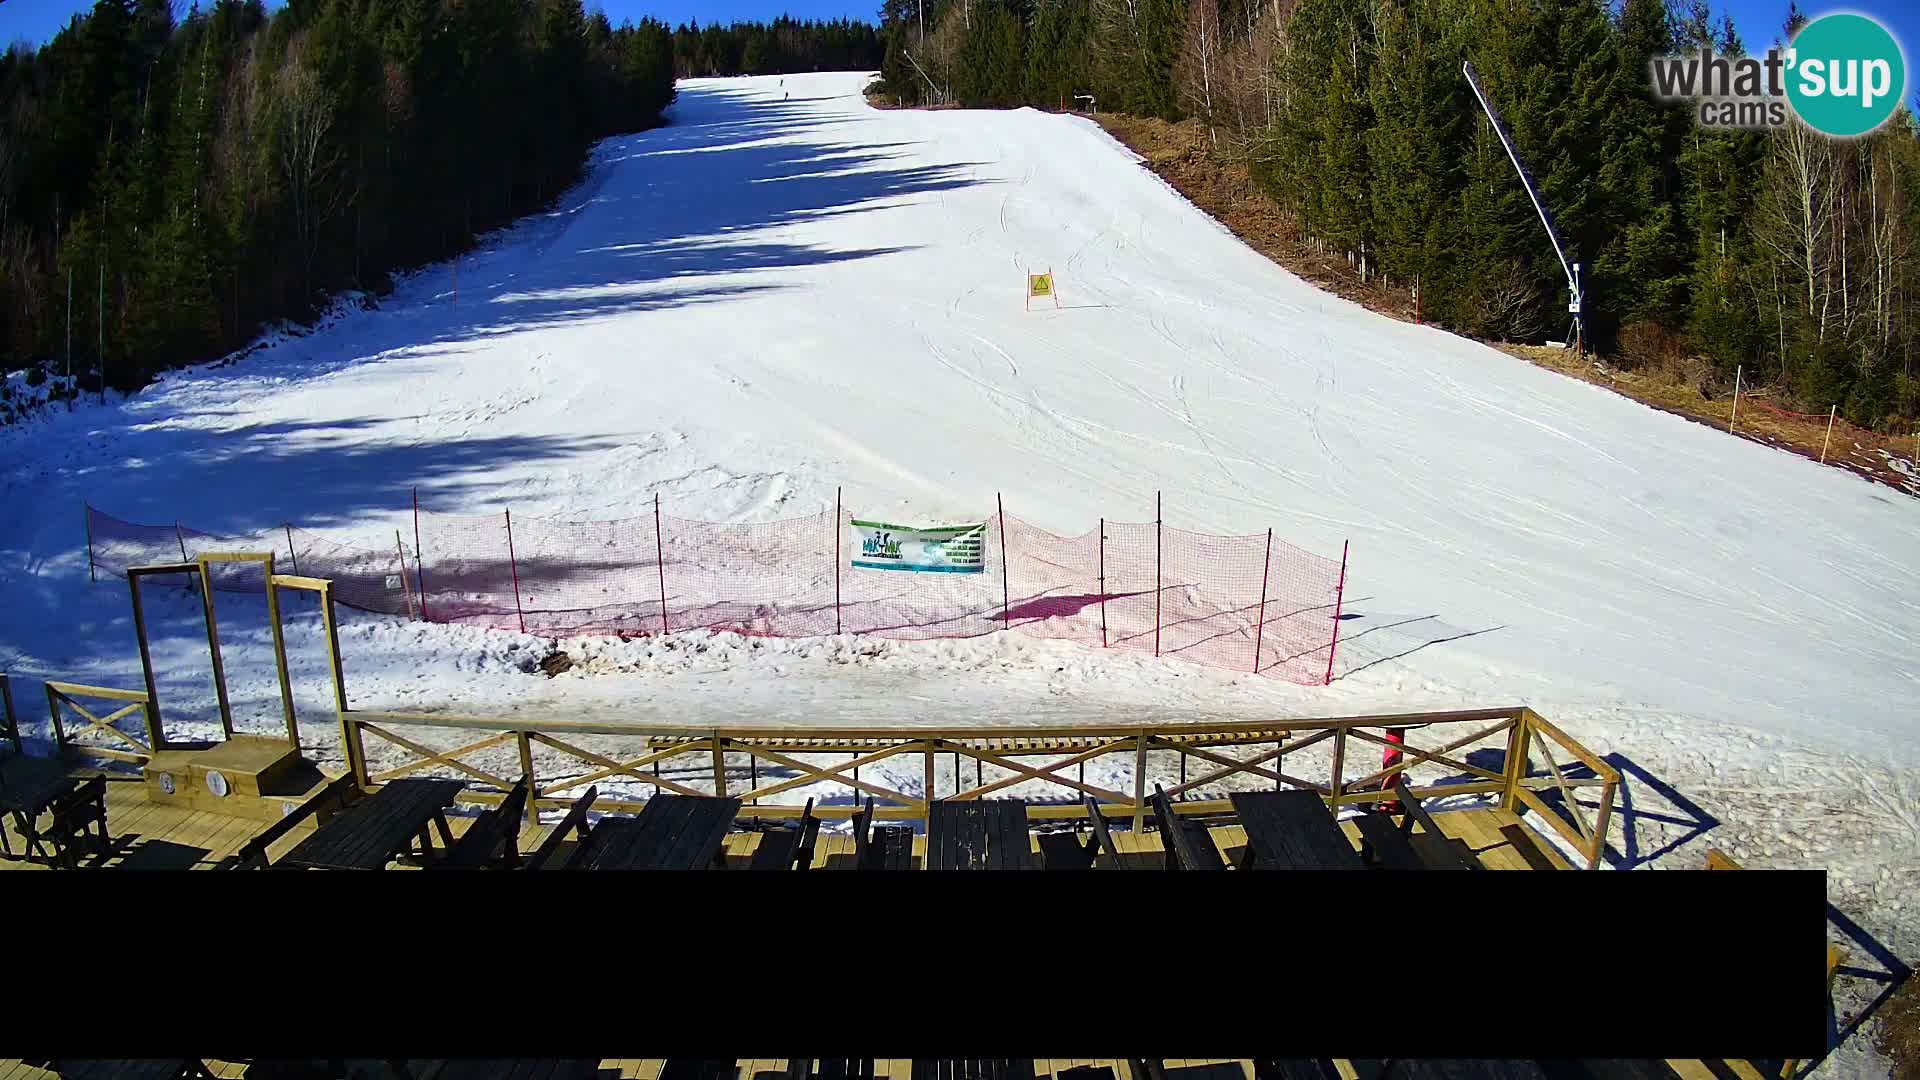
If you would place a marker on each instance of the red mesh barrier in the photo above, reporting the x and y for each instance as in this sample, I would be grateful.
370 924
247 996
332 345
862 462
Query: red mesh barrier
578 577
1132 585
1054 582
1296 635
367 580
466 575
773 578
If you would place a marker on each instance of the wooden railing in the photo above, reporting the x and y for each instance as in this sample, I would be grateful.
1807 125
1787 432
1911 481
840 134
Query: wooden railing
61 697
1451 737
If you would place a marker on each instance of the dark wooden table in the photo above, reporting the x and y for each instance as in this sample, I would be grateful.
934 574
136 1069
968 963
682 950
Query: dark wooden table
1292 830
673 832
28 785
372 832
978 834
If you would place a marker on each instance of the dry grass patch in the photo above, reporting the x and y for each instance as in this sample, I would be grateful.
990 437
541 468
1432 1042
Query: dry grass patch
1664 376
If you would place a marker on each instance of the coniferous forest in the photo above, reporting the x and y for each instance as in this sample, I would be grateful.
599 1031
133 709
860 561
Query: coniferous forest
197 178
1780 252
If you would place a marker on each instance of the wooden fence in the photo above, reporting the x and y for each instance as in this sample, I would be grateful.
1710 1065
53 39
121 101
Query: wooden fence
1521 734
61 699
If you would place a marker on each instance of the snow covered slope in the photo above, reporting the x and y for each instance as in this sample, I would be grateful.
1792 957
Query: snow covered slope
786 290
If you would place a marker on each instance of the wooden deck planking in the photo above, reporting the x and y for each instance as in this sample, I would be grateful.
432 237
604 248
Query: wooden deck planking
899 1068
151 834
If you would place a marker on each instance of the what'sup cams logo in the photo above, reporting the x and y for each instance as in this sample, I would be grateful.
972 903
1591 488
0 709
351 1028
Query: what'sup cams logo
1842 74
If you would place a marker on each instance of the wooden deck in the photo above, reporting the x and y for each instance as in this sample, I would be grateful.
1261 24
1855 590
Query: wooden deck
149 836
886 1068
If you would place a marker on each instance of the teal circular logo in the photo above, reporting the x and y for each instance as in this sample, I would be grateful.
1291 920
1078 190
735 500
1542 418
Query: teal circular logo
1845 75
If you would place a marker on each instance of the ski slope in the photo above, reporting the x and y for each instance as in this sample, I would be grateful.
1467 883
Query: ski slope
786 291
773 297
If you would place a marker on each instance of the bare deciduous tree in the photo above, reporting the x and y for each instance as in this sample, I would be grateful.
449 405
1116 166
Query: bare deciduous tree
308 157
1200 62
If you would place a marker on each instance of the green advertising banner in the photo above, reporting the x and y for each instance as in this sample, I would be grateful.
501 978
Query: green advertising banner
946 549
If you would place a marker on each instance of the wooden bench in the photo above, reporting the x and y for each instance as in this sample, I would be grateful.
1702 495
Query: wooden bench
76 815
1441 852
1066 851
973 1069
1295 1069
1188 844
494 837
788 849
886 847
336 795
546 857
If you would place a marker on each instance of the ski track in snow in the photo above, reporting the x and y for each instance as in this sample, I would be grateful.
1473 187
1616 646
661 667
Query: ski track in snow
767 299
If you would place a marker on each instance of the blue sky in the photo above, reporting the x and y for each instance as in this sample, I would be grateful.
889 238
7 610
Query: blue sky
38 20
1759 20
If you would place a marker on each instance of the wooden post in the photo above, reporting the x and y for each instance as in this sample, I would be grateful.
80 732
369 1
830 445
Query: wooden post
1600 826
294 556
1261 621
1140 783
660 561
1339 595
928 796
280 658
533 789
719 766
1006 599
180 536
400 550
514 565
1156 573
213 650
836 561
86 512
349 731
146 665
1339 771
1738 371
419 557
1831 413
1516 766
60 730
1103 582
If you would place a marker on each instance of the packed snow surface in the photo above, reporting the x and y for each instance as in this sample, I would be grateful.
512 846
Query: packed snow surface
786 291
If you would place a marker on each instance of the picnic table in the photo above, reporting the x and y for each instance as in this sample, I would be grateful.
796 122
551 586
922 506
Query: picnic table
673 832
978 834
1291 830
28 788
371 833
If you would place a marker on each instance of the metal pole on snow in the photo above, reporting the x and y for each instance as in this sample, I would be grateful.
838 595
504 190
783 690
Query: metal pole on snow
1738 371
1339 595
515 565
86 513
836 561
1006 601
1103 582
660 561
1831 413
419 564
294 556
1261 622
1156 573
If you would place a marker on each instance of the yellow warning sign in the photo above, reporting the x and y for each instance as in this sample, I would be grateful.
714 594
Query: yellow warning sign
1041 286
